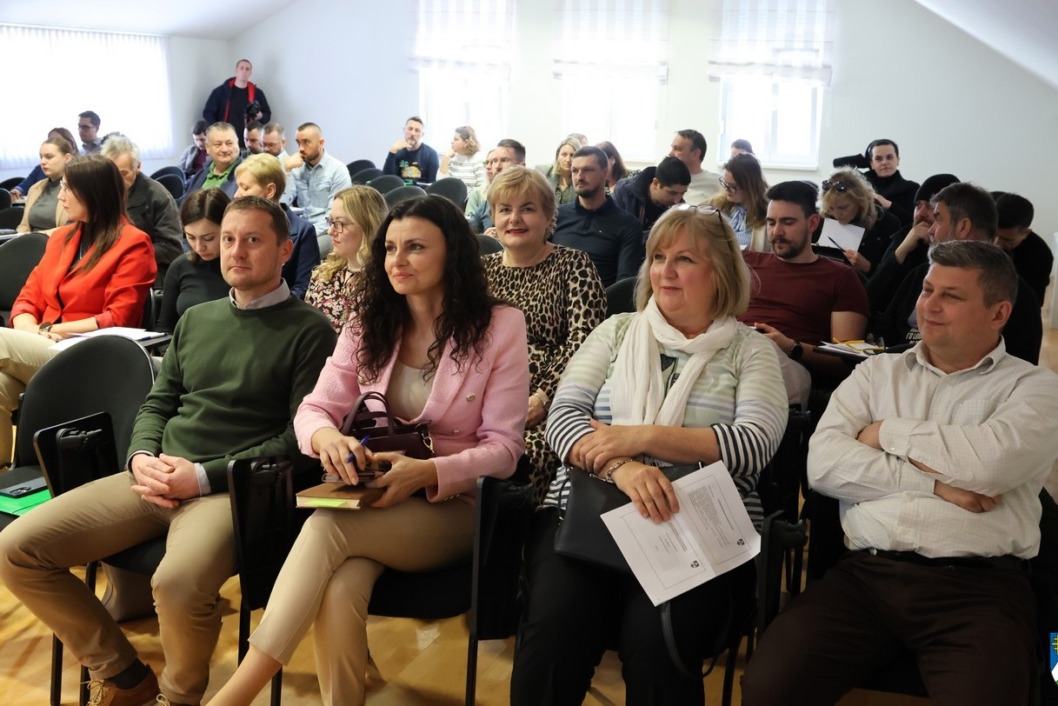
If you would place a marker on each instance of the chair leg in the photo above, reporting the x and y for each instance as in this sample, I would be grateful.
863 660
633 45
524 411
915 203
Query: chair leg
244 630
83 691
729 675
56 672
472 670
277 689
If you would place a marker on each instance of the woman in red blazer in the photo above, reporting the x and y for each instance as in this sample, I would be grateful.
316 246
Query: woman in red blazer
95 273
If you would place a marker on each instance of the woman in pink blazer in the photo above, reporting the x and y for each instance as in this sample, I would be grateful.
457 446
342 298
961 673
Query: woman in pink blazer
444 352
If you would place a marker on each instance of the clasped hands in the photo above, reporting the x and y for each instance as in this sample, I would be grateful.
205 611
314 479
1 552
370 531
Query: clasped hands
870 435
344 456
648 488
165 480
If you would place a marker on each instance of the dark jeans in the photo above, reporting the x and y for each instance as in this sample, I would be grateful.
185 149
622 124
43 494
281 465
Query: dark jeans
576 611
972 630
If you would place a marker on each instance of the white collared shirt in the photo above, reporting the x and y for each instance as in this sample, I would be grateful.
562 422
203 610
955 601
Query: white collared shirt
990 429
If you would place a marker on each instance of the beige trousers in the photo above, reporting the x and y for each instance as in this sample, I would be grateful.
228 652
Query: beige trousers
22 354
97 520
331 571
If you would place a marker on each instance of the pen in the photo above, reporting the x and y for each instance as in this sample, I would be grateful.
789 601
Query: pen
351 458
834 243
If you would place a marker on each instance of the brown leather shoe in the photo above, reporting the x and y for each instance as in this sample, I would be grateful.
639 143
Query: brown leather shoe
162 701
103 693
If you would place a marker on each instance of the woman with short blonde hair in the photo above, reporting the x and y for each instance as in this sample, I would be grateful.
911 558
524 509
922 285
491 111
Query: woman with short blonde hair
848 198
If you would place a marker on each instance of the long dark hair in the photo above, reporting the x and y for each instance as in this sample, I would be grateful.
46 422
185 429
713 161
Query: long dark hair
467 308
97 183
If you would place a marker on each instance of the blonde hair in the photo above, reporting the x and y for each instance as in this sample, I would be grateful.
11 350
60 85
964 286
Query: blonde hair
524 181
711 234
264 169
467 134
575 144
367 209
857 188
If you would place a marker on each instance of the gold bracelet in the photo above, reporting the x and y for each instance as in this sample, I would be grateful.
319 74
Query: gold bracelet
607 475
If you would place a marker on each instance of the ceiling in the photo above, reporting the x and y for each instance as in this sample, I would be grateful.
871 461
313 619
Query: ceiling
204 19
1021 30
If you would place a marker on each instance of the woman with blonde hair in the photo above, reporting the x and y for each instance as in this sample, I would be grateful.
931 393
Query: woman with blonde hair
458 162
743 200
557 288
262 175
679 381
559 173
356 214
847 197
44 211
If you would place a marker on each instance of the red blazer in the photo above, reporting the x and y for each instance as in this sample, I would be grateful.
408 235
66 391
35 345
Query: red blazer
113 291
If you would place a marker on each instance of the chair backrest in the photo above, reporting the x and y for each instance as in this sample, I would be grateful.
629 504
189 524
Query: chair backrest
386 183
402 193
262 512
359 165
5 198
452 189
100 374
18 257
11 217
326 246
76 452
11 183
365 175
175 171
172 183
620 297
488 245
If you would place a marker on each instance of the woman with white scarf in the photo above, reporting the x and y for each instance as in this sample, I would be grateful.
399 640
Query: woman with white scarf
677 382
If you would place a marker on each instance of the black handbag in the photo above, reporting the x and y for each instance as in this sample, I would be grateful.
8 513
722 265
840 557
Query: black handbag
381 431
582 534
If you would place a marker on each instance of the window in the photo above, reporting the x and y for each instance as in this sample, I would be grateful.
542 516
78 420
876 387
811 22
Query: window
462 53
122 77
773 60
611 59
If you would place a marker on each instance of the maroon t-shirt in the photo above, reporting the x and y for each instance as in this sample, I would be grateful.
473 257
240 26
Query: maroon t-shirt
798 299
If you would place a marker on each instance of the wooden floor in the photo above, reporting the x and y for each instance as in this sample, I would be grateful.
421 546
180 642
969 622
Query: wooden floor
420 663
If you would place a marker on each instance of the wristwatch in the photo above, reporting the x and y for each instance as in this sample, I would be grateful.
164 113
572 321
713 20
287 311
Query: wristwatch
45 327
797 351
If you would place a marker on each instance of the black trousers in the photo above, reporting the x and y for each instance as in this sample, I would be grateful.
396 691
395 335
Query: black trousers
972 630
576 611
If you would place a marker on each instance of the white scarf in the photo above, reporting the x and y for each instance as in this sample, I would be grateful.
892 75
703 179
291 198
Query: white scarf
637 391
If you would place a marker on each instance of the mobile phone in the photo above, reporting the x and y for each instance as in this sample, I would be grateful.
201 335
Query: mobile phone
23 489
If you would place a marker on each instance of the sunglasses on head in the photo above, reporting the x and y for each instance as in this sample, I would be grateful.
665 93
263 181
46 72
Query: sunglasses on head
838 186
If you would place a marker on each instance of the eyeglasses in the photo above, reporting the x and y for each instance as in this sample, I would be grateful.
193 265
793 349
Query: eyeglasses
838 186
729 188
339 226
700 209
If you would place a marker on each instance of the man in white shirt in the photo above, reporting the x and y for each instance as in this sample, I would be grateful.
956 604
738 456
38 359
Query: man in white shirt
689 147
937 456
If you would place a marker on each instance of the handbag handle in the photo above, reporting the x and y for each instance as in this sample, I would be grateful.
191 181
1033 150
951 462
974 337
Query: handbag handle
361 414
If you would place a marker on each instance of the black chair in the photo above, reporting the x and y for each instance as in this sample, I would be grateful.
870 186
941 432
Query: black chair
386 183
172 183
366 175
152 309
18 257
11 217
359 165
175 171
5 198
11 183
401 193
620 297
488 245
452 189
70 387
486 588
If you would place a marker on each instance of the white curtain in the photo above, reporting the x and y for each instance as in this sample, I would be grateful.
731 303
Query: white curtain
122 77
611 38
778 38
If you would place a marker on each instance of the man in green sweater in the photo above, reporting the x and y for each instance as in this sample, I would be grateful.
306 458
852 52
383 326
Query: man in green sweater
228 388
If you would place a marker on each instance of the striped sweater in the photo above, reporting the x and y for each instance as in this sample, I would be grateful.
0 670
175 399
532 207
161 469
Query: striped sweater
740 395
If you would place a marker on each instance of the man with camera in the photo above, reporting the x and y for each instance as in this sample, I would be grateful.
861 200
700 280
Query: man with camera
238 101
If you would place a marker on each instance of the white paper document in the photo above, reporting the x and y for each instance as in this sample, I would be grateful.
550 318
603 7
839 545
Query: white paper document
845 237
134 334
710 535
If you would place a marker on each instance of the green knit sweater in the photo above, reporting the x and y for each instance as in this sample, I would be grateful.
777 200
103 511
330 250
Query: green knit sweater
231 382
